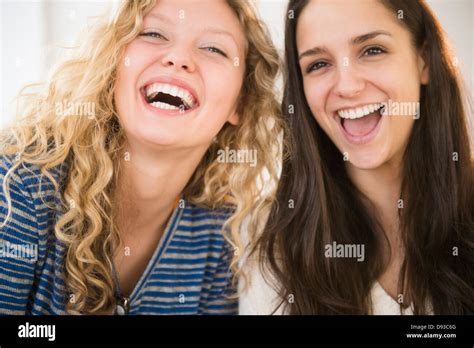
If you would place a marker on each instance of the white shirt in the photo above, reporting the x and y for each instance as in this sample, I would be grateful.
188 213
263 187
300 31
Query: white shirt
260 298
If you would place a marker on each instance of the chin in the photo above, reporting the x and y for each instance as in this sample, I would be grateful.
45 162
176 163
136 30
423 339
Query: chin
156 137
367 159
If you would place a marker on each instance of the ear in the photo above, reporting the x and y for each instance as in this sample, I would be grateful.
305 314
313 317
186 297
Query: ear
234 118
423 70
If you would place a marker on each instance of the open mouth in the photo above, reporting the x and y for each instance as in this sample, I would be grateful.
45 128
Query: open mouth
360 122
167 96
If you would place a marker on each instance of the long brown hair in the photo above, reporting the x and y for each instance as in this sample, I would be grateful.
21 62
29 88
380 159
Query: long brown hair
92 148
318 204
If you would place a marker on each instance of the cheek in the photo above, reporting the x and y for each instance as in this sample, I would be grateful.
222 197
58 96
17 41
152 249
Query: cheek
230 84
123 80
136 57
316 94
222 92
398 79
120 94
386 78
125 75
409 86
129 68
401 127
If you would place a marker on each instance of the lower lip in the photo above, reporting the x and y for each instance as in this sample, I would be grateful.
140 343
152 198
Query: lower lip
176 112
362 139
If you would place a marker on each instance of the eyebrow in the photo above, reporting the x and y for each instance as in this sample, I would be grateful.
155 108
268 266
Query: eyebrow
354 41
207 29
222 32
159 17
218 31
212 30
362 38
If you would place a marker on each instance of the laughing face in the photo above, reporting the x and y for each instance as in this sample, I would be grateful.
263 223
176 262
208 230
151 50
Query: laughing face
357 60
179 83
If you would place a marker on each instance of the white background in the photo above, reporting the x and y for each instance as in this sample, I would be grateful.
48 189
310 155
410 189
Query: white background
32 32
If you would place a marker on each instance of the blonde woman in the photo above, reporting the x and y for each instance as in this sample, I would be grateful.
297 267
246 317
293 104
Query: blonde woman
131 210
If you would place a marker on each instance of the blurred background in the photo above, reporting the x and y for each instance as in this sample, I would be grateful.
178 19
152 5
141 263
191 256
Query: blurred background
33 34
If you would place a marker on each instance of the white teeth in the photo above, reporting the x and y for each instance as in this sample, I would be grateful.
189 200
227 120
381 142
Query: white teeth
173 90
164 106
359 112
166 89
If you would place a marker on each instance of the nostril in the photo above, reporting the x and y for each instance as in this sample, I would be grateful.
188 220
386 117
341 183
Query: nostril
183 66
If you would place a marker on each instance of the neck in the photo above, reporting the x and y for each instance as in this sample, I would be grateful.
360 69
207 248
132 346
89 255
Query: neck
150 182
382 187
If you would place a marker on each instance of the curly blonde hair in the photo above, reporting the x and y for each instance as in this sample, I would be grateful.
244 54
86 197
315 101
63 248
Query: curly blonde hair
92 148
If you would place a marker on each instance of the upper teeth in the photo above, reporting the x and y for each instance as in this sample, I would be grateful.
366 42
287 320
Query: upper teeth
359 112
173 90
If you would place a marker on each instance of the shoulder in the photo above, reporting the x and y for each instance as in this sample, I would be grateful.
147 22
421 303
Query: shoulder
202 231
19 235
257 286
205 221
196 213
27 197
17 204
28 177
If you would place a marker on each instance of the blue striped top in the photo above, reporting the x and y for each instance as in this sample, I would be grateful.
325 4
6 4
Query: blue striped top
187 274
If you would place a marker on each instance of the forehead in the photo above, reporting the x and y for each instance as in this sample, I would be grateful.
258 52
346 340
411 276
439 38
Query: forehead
335 21
196 14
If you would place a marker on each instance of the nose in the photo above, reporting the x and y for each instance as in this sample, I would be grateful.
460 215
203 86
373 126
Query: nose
349 83
178 58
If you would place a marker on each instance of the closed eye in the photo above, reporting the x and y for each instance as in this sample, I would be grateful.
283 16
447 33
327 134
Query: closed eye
316 66
215 50
153 34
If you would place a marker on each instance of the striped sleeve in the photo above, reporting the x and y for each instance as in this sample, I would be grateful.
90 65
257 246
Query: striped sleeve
18 244
222 298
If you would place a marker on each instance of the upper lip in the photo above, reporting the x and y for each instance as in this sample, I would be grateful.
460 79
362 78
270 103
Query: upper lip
172 81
